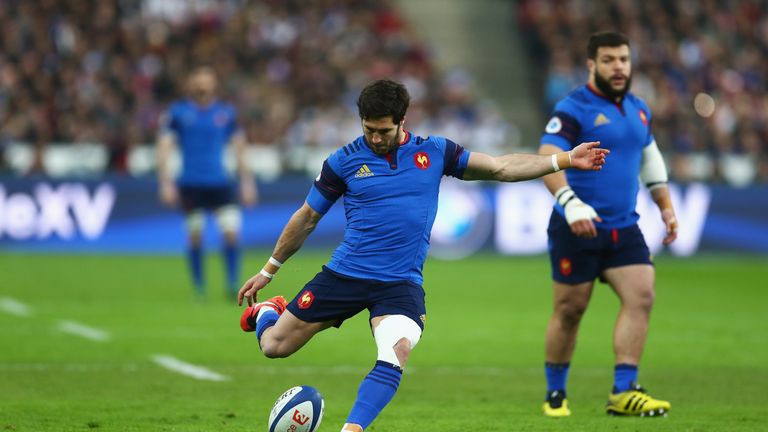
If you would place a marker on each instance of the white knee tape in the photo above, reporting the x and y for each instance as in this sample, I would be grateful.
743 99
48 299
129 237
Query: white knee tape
195 221
389 332
229 218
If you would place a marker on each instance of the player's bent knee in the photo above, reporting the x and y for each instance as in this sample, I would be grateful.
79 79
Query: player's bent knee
403 350
644 299
570 313
396 336
275 349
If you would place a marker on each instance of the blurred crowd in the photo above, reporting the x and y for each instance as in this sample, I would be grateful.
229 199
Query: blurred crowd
102 71
702 65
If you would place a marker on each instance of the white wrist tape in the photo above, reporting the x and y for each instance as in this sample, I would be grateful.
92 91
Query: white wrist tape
555 166
564 194
575 209
266 274
275 262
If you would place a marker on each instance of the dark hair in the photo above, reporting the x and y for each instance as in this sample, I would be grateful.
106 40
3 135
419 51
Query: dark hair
383 98
605 39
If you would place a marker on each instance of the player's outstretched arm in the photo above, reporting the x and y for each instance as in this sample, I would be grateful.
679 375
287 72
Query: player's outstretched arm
520 166
296 231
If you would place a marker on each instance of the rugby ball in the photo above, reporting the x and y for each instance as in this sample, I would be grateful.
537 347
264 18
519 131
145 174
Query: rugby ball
300 409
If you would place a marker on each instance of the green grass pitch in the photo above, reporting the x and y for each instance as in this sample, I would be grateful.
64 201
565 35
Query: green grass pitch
479 366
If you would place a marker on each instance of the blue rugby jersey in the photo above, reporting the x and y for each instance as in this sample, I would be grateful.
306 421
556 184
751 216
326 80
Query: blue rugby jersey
624 129
202 134
390 204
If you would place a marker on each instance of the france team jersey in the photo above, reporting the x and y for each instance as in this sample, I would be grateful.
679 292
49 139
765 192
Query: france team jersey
624 129
202 134
390 204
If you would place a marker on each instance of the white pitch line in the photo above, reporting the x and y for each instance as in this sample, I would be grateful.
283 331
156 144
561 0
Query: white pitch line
198 372
83 331
14 307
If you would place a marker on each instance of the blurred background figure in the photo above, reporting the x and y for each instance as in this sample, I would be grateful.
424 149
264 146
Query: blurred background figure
700 65
202 127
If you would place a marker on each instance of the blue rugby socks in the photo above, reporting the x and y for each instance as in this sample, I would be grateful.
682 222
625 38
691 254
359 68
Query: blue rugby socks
557 375
376 390
231 254
266 318
195 261
624 375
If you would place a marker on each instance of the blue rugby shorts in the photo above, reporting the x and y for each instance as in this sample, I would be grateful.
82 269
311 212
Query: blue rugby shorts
575 260
331 296
206 197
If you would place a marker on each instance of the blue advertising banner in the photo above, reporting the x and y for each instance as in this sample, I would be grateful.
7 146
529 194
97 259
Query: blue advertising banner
123 215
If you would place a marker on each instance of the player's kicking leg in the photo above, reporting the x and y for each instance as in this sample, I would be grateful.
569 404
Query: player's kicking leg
634 284
396 336
279 332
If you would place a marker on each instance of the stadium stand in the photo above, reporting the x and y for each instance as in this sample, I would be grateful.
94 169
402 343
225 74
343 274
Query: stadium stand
95 75
701 65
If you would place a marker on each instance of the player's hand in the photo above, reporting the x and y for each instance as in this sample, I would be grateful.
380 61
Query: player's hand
248 193
580 216
251 287
588 156
670 221
168 194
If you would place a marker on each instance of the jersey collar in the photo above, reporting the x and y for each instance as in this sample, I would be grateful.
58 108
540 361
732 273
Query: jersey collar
407 137
597 93
391 157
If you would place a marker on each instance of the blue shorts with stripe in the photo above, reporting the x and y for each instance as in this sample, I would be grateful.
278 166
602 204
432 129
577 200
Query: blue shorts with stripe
331 296
575 260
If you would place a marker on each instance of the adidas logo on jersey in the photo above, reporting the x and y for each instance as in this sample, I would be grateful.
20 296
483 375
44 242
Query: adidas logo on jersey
601 120
364 171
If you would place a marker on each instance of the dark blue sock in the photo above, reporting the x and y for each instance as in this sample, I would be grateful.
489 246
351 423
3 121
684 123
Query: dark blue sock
376 390
232 261
267 319
624 375
195 260
557 375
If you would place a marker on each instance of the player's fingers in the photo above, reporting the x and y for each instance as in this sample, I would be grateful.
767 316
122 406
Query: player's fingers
670 237
589 229
243 293
671 231
240 295
581 228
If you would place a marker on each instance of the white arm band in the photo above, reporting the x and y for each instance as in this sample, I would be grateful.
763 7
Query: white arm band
653 172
